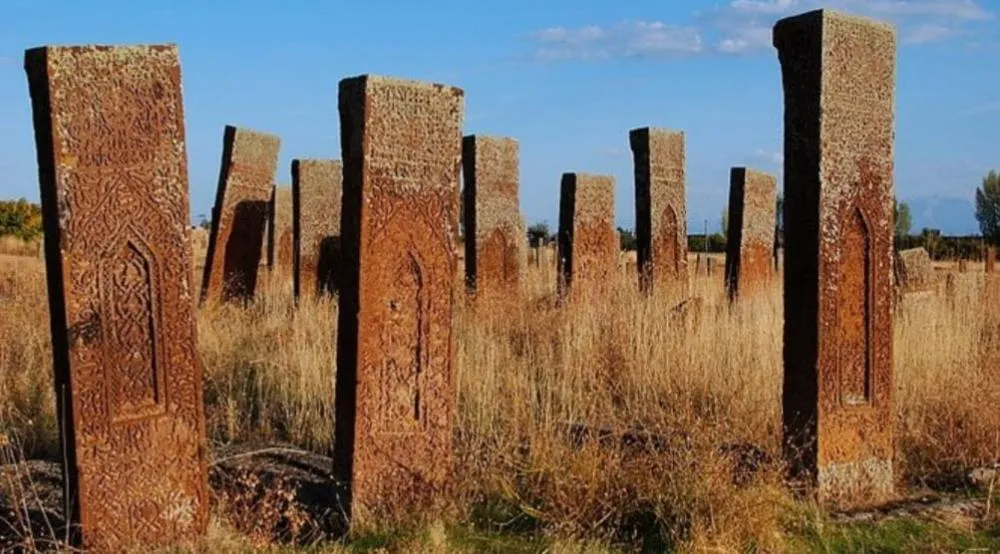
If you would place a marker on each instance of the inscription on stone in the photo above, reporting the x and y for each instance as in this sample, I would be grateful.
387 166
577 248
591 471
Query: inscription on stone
838 74
316 194
750 234
494 239
401 148
246 178
588 242
661 212
109 131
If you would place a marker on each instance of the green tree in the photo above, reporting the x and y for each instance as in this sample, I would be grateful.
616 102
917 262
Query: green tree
901 216
988 207
538 233
626 239
20 218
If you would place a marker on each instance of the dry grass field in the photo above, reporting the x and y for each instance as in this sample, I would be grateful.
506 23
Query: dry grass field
614 424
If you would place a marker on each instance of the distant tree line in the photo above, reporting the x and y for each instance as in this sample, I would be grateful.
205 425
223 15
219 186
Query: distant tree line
21 219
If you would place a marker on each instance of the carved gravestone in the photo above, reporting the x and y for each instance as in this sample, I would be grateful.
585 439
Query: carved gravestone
281 247
750 233
838 75
401 148
109 129
990 255
246 179
914 271
963 265
493 234
316 194
588 242
661 212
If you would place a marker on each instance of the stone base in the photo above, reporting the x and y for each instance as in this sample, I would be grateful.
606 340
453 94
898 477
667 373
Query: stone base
856 484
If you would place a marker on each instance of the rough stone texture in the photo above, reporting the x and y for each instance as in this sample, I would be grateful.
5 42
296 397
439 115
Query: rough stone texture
281 246
990 257
963 265
750 240
588 242
401 146
109 129
316 195
494 234
838 75
661 209
246 178
914 271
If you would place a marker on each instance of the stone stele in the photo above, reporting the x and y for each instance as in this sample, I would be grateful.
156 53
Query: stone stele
750 240
588 242
838 75
493 228
914 270
660 205
281 249
109 131
246 179
401 148
316 195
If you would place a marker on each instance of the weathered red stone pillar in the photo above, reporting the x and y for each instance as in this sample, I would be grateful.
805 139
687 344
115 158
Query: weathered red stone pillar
588 242
109 131
316 195
838 73
401 146
750 240
246 180
494 240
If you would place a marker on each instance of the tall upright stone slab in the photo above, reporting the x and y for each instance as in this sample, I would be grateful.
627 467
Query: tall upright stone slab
401 147
750 233
316 194
281 246
990 258
838 75
246 177
588 242
661 209
109 131
493 235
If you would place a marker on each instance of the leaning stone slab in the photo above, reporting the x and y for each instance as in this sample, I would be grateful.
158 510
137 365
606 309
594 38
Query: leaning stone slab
246 178
109 131
316 195
838 73
401 149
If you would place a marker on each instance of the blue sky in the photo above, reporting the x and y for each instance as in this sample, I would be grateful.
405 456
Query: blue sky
567 78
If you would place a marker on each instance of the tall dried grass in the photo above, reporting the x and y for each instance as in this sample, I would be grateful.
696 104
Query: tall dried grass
617 418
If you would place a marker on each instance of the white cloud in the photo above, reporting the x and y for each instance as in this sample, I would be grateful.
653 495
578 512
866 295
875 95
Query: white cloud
744 26
630 39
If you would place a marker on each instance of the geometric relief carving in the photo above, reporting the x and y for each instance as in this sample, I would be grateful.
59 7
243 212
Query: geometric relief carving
667 242
854 324
133 376
404 341
109 134
401 150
